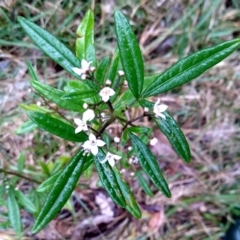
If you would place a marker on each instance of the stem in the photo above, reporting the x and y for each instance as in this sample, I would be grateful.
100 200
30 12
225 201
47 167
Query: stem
54 109
101 130
18 175
133 120
110 106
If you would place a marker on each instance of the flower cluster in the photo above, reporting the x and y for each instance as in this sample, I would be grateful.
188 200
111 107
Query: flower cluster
93 143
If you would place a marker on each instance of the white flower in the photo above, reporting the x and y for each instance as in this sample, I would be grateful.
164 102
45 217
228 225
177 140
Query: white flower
158 109
85 68
106 93
111 158
88 115
82 125
92 144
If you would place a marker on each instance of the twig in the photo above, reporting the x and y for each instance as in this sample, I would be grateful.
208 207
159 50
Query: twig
18 175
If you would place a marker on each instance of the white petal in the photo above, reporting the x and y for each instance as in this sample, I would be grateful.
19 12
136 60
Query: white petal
162 108
100 143
94 150
111 92
111 162
104 160
88 115
78 71
157 102
92 137
162 116
85 127
85 64
78 129
78 121
87 145
116 157
105 98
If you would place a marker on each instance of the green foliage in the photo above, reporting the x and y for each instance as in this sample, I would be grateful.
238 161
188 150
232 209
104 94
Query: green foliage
101 104
130 54
56 126
149 164
60 192
50 45
108 180
13 211
190 67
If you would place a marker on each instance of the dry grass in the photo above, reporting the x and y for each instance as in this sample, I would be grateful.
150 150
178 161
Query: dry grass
204 192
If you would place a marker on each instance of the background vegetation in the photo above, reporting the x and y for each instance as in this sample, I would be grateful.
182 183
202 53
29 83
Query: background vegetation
205 193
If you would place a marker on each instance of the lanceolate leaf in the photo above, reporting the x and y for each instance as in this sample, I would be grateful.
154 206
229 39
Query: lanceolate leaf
190 67
172 131
56 126
130 54
32 72
13 211
108 179
131 204
102 70
145 186
149 164
50 45
26 127
55 96
25 201
85 41
47 185
75 96
60 192
112 72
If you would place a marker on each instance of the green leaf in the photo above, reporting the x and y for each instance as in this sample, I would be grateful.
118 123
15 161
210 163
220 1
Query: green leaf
108 179
21 161
130 54
48 184
131 204
26 127
34 107
56 127
60 192
25 201
32 72
85 41
124 100
50 45
143 183
190 67
79 95
102 70
172 131
149 164
81 86
13 211
55 96
174 134
112 72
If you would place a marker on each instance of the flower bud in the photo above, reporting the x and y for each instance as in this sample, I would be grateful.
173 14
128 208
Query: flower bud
85 105
108 82
120 73
116 139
